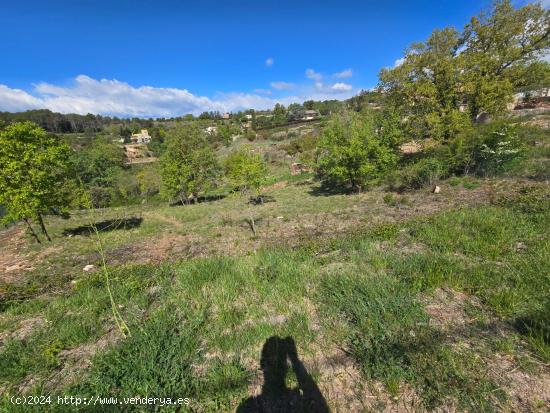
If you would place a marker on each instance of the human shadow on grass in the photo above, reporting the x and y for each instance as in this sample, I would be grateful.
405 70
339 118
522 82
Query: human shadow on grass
276 397
104 226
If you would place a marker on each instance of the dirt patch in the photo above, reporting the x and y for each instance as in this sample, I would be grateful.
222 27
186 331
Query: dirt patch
451 311
26 328
156 249
13 262
168 219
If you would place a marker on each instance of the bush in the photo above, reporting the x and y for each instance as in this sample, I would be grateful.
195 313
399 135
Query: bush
352 153
487 150
425 172
301 145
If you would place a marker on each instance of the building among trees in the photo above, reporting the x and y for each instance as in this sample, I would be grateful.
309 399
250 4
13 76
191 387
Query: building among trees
141 137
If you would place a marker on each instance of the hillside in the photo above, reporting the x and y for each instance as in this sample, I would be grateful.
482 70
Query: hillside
368 251
384 294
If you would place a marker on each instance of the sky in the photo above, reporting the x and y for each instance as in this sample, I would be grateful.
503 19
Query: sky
168 58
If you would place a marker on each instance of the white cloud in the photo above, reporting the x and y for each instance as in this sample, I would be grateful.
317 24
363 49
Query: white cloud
269 62
312 74
262 91
338 87
117 98
345 73
399 62
545 3
341 87
14 100
282 85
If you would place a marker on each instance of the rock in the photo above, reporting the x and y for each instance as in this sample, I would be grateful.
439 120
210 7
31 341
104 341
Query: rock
155 289
436 189
298 168
520 246
89 267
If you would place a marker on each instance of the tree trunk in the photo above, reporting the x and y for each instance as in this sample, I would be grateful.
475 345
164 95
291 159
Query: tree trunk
253 225
43 227
32 230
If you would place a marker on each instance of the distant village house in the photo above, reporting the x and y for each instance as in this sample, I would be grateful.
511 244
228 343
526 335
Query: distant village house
310 115
141 137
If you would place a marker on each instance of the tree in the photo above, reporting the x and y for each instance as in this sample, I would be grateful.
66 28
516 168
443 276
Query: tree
352 153
279 115
246 172
446 82
188 166
497 50
33 174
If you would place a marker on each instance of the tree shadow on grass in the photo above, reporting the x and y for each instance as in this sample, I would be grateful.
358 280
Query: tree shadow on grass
199 200
325 189
104 226
276 397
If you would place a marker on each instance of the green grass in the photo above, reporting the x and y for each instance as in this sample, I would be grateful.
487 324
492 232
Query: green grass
198 326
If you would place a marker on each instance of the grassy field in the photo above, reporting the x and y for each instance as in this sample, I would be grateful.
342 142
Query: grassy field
381 301
444 310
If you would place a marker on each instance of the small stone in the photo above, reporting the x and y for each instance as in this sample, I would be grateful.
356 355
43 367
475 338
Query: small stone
12 267
436 189
89 267
520 246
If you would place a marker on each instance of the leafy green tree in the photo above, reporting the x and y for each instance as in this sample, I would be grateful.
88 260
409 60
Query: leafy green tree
98 164
352 153
246 171
497 49
33 173
188 166
445 83
149 180
279 115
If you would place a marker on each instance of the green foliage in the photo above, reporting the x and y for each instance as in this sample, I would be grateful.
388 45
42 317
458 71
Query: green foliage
226 131
301 145
246 171
33 173
149 180
486 150
352 153
98 164
478 70
188 166
425 172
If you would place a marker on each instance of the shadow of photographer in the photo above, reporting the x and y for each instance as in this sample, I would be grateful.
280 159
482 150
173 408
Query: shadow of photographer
275 395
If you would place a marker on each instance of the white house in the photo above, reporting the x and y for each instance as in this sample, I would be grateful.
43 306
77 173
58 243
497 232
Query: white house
142 137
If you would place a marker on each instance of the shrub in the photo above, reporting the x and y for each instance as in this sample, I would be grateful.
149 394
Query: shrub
301 145
486 151
425 172
353 153
497 150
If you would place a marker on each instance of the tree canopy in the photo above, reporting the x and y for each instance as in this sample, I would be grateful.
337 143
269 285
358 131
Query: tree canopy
354 152
33 173
453 77
188 166
246 171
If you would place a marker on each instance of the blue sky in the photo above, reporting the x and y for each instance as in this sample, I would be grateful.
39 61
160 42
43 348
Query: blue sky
166 58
